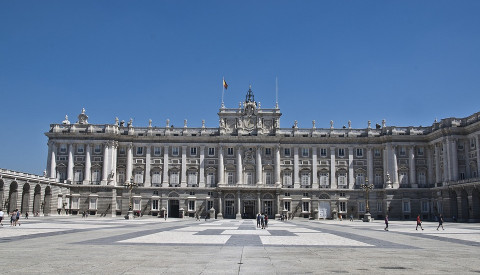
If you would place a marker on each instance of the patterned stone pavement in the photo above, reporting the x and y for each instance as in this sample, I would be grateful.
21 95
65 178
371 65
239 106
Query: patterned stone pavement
155 246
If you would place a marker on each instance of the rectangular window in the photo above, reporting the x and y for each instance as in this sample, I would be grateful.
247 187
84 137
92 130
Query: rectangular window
360 179
420 151
306 206
191 205
75 203
121 150
210 205
193 151
324 179
230 151
343 206
286 206
376 152
230 177
342 179
156 178
174 178
425 207
378 179
287 194
97 149
421 178
323 152
406 207
286 152
359 152
361 206
305 178
136 204
379 206
63 148
93 204
403 177
305 195
95 176
121 177
403 151
211 179
472 143
462 175
341 152
211 151
192 178
78 177
268 178
154 204
287 178
118 204
268 151
175 151
138 177
157 151
139 151
304 152
80 149
249 176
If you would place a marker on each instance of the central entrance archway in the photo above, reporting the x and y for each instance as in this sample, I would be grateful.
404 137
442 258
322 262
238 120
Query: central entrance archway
173 209
249 207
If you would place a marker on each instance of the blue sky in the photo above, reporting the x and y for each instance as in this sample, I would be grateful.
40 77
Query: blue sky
408 62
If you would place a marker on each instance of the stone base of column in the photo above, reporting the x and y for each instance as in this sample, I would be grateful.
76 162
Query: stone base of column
238 216
277 216
367 217
219 216
129 216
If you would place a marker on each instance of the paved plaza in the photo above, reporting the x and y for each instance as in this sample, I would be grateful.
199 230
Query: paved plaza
73 245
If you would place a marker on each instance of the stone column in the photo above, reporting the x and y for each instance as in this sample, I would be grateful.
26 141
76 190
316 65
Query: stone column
239 165
438 175
314 168
148 159
411 167
428 151
239 211
333 182
395 167
165 167
259 165
114 163
49 158
53 161
113 202
88 164
277 195
259 203
454 159
468 172
278 180
351 178
201 181
70 164
296 172
183 182
221 168
105 164
129 162
445 162
220 206
370 165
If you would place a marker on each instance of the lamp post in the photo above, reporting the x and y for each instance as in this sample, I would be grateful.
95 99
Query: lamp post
130 185
367 187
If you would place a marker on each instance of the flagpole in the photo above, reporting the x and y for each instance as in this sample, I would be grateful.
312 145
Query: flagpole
223 91
276 92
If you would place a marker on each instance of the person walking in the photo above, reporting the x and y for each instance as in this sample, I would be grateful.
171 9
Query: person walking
440 222
386 222
17 217
1 216
258 220
262 221
266 220
419 222
26 215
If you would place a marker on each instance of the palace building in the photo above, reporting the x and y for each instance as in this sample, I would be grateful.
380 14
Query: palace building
249 165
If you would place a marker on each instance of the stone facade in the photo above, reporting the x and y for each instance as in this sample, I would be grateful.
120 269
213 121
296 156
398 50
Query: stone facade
249 164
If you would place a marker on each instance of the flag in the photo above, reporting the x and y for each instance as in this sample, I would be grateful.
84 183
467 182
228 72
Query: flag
225 85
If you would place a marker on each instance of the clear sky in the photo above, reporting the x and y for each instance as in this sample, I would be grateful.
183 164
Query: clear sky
408 62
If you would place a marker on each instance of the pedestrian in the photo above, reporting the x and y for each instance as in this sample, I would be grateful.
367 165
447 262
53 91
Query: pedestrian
419 222
258 220
351 217
165 215
440 222
17 217
266 221
386 222
1 216
262 221
206 216
26 215
197 217
12 218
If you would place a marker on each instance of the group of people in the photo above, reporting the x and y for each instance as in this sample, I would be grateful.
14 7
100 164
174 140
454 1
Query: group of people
14 217
419 222
262 221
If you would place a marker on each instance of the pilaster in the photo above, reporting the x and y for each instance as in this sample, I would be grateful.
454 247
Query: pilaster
148 160
259 165
351 178
165 166
314 168
296 172
183 182
70 163
333 182
201 182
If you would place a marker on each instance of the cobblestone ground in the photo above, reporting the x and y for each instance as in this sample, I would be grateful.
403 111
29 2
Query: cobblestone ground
73 245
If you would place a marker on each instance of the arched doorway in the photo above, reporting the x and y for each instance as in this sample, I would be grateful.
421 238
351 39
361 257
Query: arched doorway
229 212
476 205
47 201
453 205
324 206
37 197
25 198
173 205
465 207
12 197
